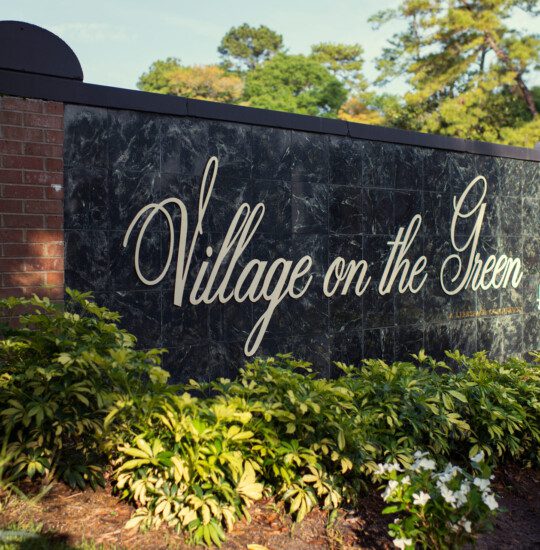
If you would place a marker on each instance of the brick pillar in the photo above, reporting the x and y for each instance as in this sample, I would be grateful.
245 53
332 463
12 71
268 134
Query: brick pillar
31 198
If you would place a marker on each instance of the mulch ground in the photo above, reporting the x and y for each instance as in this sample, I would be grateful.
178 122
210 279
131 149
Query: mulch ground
73 516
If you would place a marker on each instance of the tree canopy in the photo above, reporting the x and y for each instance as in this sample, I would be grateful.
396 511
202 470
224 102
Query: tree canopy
465 66
208 82
157 78
344 61
294 83
466 69
244 47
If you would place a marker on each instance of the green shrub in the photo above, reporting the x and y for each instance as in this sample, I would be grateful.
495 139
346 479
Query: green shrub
76 397
307 441
501 403
60 372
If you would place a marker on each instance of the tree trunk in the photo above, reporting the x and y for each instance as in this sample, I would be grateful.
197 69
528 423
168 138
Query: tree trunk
503 56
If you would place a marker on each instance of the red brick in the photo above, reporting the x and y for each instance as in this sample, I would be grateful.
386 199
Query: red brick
44 236
55 222
22 134
54 136
28 163
42 264
55 293
11 176
11 265
54 193
54 165
24 279
10 147
29 265
42 150
11 118
43 178
54 278
6 293
55 250
43 207
53 108
43 121
24 250
31 209
33 221
11 235
21 104
23 192
11 206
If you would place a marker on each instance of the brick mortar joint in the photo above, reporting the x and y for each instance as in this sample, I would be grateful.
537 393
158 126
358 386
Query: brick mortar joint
32 129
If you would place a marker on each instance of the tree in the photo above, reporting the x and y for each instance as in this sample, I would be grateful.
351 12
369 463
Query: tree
536 95
344 61
208 82
466 68
355 110
245 47
294 83
156 79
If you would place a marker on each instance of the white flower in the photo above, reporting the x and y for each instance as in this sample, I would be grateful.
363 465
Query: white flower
420 454
466 524
479 457
406 480
461 495
447 494
481 483
461 498
424 464
449 472
394 467
489 501
420 499
390 488
383 468
402 543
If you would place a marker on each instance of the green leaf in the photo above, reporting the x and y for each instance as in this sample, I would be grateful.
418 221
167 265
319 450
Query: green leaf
458 395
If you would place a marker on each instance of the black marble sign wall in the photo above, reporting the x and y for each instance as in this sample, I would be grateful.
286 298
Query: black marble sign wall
325 196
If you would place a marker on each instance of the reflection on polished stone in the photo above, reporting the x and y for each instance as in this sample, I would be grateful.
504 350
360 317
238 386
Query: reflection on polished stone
325 196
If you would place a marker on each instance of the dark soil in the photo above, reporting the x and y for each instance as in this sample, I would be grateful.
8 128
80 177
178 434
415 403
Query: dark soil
72 516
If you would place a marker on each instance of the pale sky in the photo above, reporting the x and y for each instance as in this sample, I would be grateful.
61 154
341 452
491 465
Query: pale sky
117 40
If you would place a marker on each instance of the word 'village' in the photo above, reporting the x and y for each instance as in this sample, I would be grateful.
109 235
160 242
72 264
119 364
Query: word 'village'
282 278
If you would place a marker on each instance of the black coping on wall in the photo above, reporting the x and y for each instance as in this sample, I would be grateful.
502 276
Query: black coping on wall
25 73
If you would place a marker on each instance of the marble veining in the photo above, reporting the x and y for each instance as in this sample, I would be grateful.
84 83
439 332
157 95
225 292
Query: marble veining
325 196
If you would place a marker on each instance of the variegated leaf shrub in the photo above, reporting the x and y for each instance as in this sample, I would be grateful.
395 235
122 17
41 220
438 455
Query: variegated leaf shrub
78 397
61 371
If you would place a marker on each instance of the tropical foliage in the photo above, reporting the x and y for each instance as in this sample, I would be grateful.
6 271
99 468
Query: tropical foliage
60 373
77 399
